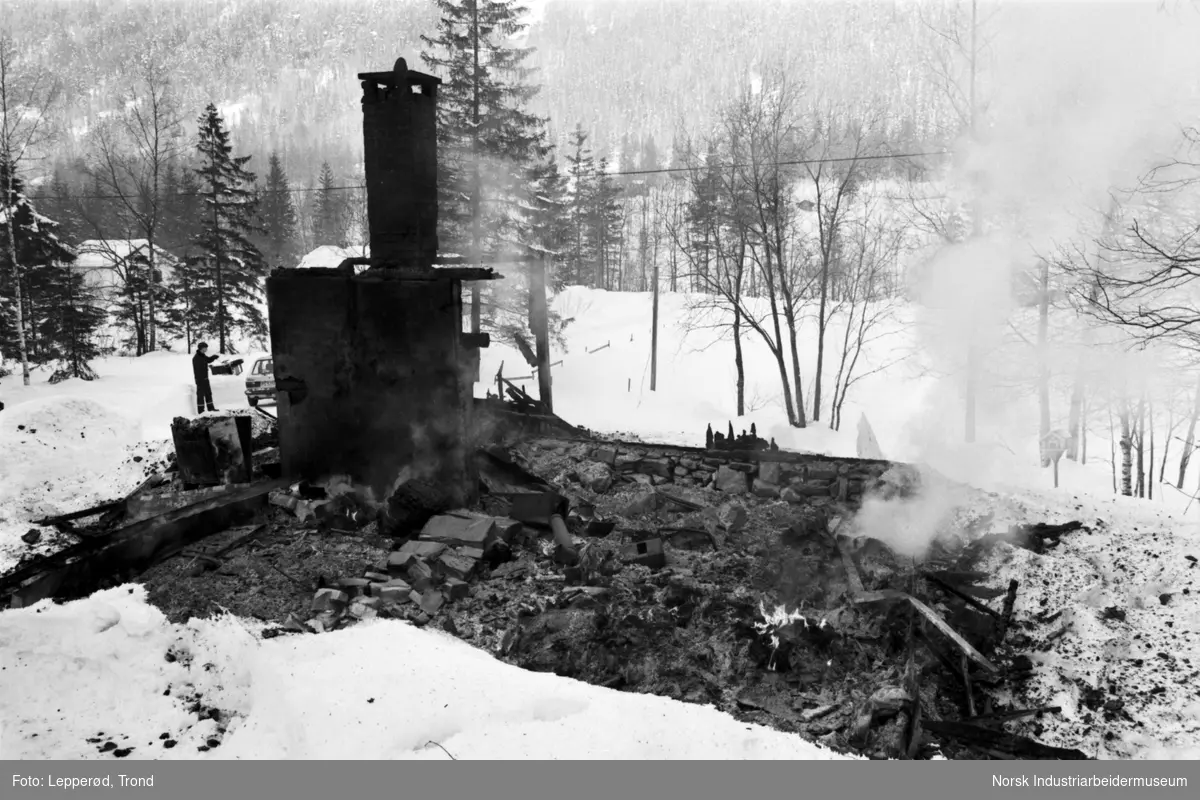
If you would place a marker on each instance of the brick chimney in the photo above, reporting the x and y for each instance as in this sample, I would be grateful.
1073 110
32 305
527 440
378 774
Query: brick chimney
400 148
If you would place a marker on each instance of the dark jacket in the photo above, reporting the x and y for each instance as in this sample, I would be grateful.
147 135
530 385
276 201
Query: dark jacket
200 364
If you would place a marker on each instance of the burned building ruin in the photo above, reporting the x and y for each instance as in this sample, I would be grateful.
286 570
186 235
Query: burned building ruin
374 372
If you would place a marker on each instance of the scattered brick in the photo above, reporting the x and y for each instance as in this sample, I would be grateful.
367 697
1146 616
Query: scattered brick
329 600
395 594
421 549
354 587
456 589
451 566
460 529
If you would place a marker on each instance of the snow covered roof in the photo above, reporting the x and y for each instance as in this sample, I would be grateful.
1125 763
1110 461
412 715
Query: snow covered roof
107 253
329 256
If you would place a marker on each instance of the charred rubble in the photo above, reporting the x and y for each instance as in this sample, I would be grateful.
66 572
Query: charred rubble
730 578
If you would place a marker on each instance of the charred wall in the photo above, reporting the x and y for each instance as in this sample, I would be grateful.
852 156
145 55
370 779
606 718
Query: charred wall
368 369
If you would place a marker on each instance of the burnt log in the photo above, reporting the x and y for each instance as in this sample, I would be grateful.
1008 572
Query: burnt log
1010 743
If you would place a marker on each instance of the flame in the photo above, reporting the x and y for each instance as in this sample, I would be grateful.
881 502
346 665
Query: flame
777 618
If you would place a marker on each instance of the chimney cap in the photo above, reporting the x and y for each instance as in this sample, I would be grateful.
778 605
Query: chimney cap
400 73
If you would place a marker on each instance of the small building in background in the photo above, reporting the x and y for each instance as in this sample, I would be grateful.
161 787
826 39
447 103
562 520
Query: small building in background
106 264
329 256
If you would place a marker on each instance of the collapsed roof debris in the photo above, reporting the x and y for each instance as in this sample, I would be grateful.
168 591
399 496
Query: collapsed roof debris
738 578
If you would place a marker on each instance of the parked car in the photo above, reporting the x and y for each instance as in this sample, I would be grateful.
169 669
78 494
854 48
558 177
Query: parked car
260 383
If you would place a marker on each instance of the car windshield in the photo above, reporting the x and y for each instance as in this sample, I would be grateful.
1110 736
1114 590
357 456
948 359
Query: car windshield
263 367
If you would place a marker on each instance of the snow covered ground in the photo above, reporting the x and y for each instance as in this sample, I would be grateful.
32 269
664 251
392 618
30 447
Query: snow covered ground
98 668
75 444
83 674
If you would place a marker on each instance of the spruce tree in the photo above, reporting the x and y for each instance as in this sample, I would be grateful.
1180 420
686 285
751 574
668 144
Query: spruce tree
486 135
58 314
547 215
627 162
649 159
604 224
182 191
580 258
221 278
328 223
69 321
278 215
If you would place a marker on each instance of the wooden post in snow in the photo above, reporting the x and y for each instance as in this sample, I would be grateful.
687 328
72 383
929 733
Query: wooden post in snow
654 333
541 328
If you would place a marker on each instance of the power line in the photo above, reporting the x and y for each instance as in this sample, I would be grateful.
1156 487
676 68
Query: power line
617 173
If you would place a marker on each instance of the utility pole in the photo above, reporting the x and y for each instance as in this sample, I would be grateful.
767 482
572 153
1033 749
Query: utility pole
654 330
477 187
976 229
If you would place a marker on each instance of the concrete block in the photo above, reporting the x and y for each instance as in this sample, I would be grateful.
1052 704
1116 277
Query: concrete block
456 589
329 600
731 480
395 594
648 553
473 553
452 566
771 472
398 563
355 587
419 570
426 550
507 528
460 530
661 467
537 508
431 602
821 472
764 489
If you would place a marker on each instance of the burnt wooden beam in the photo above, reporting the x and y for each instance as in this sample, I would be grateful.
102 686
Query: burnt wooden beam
966 598
103 508
1010 743
935 619
82 569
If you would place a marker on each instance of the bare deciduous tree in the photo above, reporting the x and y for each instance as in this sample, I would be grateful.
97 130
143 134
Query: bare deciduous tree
129 158
866 299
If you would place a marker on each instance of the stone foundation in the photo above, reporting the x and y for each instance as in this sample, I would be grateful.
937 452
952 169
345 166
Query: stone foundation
799 478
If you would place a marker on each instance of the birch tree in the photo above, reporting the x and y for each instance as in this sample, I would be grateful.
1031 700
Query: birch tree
27 94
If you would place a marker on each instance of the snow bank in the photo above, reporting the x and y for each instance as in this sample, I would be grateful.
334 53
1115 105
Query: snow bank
1135 560
59 449
62 454
98 669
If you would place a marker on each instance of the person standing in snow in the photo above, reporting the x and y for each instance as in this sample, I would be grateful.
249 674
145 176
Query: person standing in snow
200 362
